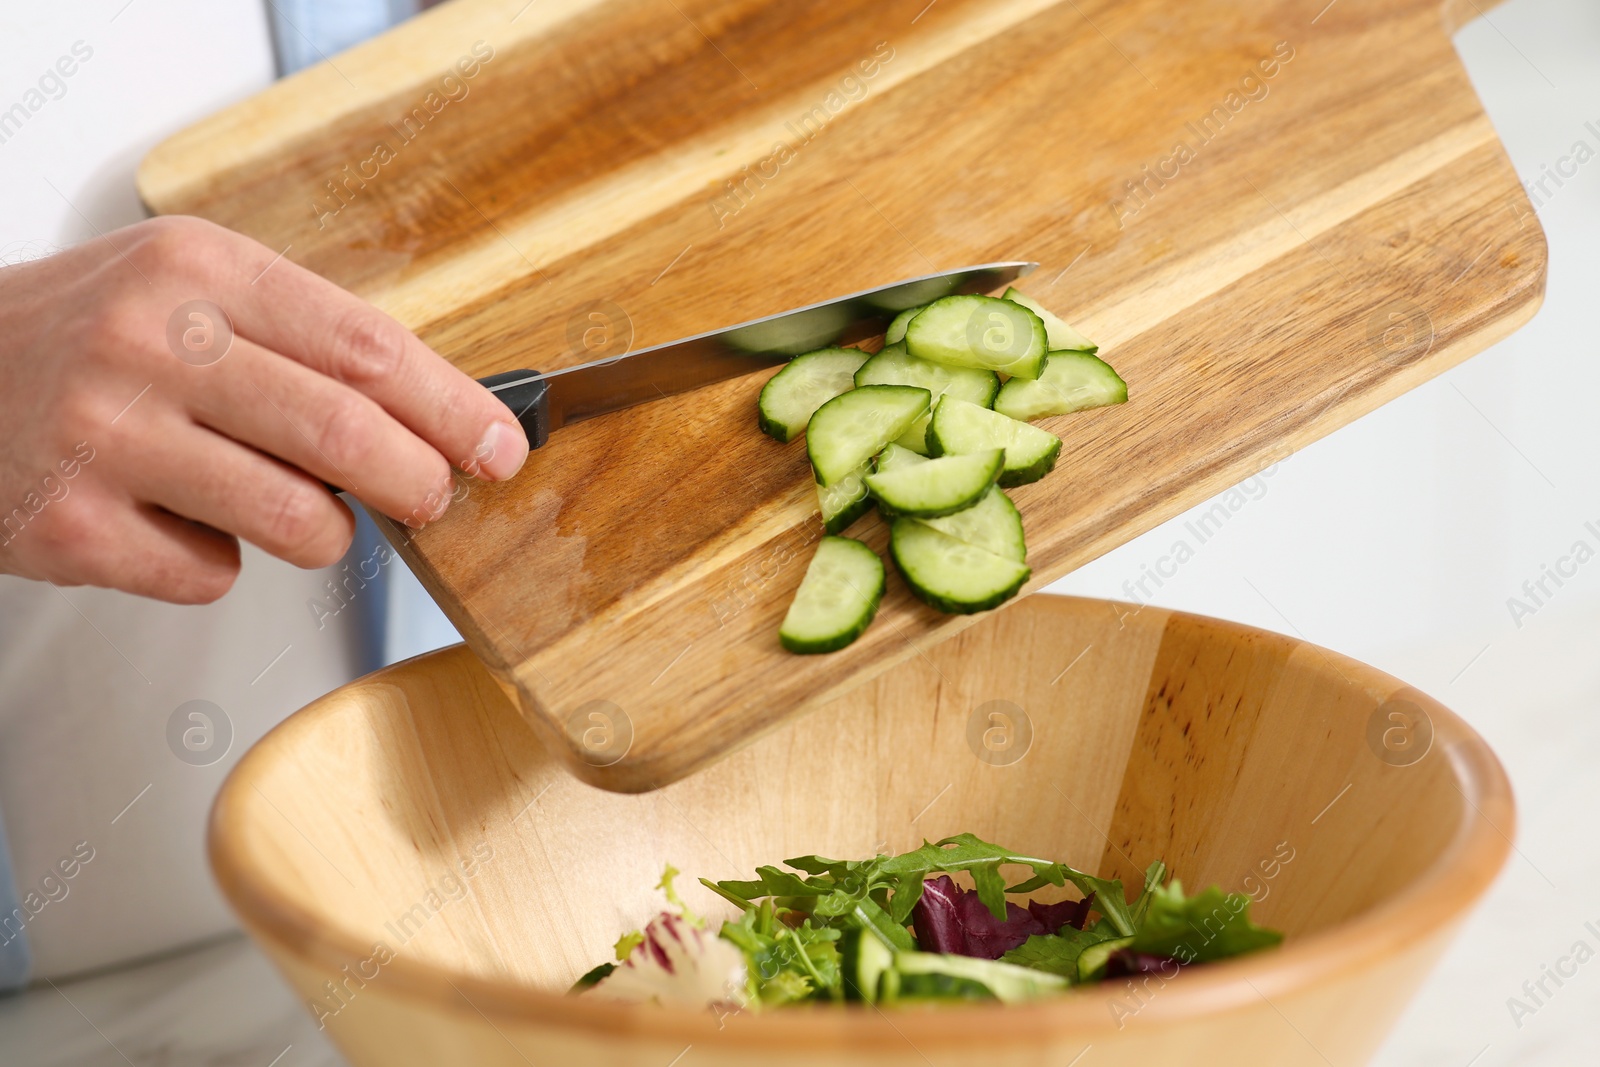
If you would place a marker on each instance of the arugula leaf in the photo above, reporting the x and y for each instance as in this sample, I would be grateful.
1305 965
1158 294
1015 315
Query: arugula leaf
907 890
774 882
731 897
1109 900
968 852
991 889
1058 953
880 922
1154 875
836 869
962 852
1211 925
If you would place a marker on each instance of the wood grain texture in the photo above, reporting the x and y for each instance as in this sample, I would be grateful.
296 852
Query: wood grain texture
1337 233
411 817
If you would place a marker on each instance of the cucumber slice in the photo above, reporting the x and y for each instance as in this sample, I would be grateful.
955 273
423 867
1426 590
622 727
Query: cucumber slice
863 958
897 329
836 599
897 457
931 988
1072 381
845 501
873 378
1008 982
895 366
953 576
1092 960
793 395
1060 333
959 427
853 427
980 331
939 486
993 524
916 438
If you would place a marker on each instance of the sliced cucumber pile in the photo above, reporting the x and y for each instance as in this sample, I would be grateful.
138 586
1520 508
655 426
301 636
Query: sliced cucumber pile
806 382
959 428
836 599
895 366
980 331
939 486
928 430
853 427
1072 381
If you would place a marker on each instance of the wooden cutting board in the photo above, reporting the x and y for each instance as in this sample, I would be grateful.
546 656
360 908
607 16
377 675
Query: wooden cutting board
1272 216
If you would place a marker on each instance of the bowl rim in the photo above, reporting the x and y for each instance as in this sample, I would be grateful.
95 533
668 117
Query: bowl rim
1429 908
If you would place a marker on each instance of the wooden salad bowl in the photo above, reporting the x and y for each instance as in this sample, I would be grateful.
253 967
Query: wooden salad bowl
430 879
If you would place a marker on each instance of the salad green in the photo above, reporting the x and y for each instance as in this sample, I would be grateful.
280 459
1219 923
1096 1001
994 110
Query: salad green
896 929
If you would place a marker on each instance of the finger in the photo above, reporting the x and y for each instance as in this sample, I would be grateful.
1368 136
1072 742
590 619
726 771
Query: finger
201 475
320 426
115 543
177 560
340 335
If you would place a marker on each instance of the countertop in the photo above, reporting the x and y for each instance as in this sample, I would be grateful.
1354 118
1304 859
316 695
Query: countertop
220 1005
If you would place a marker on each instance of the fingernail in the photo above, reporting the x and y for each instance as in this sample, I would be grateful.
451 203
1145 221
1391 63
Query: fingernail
502 452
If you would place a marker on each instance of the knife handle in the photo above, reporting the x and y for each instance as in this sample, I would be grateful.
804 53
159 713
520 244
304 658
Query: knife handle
528 396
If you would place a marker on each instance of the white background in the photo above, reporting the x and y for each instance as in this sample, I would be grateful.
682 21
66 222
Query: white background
1397 540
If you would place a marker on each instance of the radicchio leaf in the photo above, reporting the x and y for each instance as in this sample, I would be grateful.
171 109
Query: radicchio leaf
679 964
934 918
1073 913
954 920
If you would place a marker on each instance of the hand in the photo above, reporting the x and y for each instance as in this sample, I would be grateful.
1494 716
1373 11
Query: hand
135 462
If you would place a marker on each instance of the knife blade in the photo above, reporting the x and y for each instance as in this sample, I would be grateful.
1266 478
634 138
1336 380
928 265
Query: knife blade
548 401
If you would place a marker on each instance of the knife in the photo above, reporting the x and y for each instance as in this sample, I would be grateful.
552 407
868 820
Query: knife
546 402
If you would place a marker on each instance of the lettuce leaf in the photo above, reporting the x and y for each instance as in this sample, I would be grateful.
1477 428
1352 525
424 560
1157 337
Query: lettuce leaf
786 963
1211 925
1058 953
